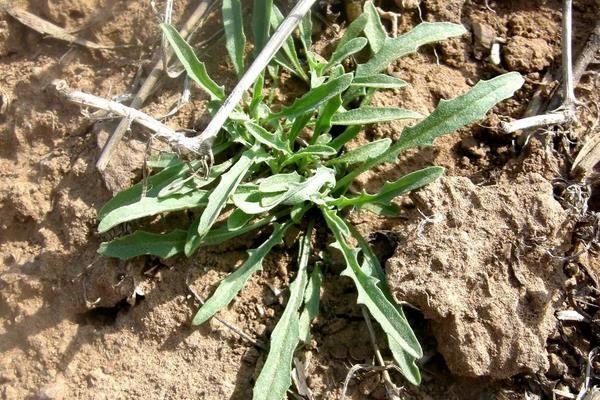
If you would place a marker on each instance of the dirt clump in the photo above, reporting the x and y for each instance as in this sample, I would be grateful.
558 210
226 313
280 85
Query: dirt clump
485 269
527 55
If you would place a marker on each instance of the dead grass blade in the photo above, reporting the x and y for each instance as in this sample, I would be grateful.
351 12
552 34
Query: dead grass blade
47 28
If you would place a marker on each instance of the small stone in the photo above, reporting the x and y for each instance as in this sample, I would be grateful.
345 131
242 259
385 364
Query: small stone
52 391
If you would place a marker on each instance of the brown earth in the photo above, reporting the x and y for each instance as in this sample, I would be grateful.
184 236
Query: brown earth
73 325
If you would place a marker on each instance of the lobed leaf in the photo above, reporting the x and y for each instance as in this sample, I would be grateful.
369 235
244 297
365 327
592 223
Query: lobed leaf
371 115
235 40
265 137
392 49
316 97
447 117
194 68
233 283
369 293
275 376
408 182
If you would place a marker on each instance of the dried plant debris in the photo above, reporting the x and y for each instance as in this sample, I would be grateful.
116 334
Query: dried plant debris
490 283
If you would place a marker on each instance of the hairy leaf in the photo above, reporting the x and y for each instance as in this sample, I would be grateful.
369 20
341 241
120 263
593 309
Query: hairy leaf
395 48
288 46
148 206
409 182
275 376
220 194
237 220
320 150
235 40
374 30
267 138
369 293
312 297
447 117
261 23
194 68
141 243
378 81
183 185
371 115
233 283
362 153
316 97
341 53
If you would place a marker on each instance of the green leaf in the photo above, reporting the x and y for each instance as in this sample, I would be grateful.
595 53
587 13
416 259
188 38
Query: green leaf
275 376
233 283
374 30
265 137
220 194
342 52
395 48
162 160
194 68
362 153
237 220
279 182
300 123
235 40
323 123
316 97
378 81
447 117
385 313
383 210
371 115
261 17
288 46
220 234
313 150
373 268
141 243
149 206
354 29
409 182
312 297
185 184
305 28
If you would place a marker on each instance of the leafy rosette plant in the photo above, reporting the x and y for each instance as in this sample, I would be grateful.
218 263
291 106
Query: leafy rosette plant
284 167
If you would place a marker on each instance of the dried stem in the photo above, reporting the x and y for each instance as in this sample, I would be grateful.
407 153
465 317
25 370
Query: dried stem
148 86
260 63
566 112
389 385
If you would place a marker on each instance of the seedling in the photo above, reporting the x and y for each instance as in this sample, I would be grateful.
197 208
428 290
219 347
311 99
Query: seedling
286 167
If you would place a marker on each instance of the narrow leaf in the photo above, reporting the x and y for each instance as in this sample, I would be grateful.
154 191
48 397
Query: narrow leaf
316 97
312 297
288 46
220 194
395 48
233 24
371 115
261 17
447 117
194 68
275 376
323 123
354 30
409 182
362 153
237 220
313 150
233 283
378 81
141 243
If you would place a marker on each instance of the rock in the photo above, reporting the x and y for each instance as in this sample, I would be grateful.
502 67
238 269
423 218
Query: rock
527 54
52 391
482 272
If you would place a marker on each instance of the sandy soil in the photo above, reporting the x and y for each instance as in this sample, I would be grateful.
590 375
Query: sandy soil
485 257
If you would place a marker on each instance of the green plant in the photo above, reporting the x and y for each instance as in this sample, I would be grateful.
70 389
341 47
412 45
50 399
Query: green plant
283 166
